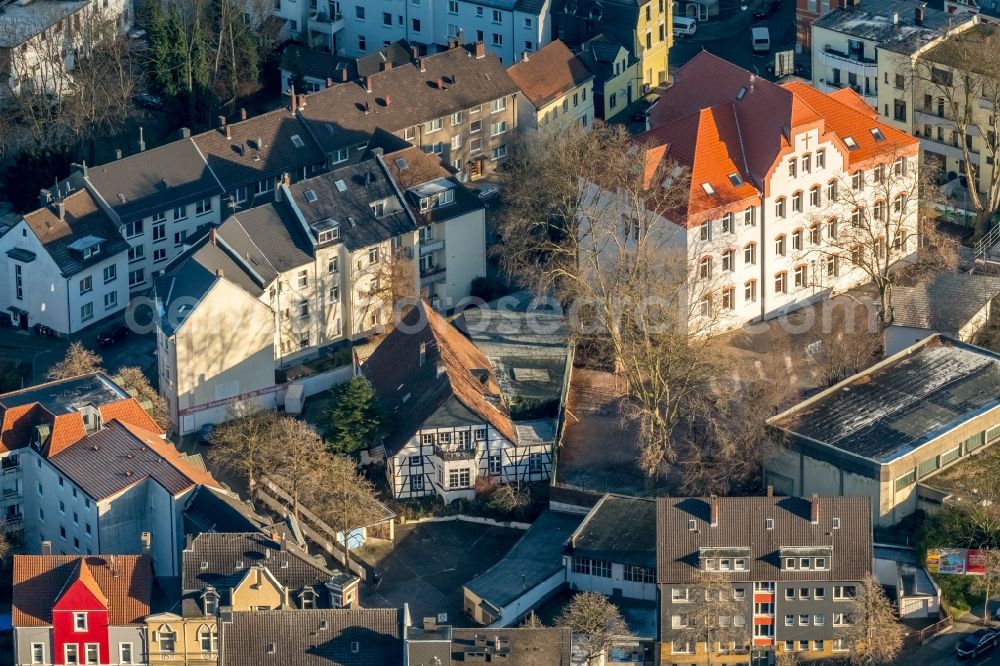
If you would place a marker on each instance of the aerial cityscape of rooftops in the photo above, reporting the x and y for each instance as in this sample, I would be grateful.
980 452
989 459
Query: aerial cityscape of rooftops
535 332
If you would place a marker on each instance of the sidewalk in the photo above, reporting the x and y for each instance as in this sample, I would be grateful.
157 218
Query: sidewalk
736 22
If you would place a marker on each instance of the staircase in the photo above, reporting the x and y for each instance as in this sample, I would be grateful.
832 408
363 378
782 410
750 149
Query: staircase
986 246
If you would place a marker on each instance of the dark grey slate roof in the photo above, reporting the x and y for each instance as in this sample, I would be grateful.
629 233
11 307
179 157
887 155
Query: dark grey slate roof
82 220
355 637
154 180
599 53
397 53
945 303
533 559
310 62
321 65
360 185
212 510
270 237
61 396
741 524
892 408
222 560
618 529
873 21
191 275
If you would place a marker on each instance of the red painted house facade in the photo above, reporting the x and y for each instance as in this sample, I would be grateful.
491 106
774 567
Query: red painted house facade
71 610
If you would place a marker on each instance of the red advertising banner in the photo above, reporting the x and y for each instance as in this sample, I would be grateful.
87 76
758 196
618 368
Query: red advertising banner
975 562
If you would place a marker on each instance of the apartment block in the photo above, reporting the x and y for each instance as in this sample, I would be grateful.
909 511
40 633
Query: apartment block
556 89
766 223
792 564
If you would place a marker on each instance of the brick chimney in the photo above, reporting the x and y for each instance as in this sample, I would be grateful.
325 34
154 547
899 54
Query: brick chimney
421 64
814 509
368 84
219 272
329 82
343 75
387 65
452 44
480 49
211 236
302 102
770 491
229 132
714 505
413 53
222 121
243 113
294 99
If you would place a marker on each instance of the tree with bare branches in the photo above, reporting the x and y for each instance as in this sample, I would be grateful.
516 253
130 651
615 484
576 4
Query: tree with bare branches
346 500
955 82
873 635
595 622
988 582
299 459
850 338
714 615
244 444
78 361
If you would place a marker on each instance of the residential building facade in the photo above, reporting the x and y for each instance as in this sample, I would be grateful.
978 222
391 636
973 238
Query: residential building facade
644 27
793 564
556 90
80 610
616 74
880 451
769 229
452 426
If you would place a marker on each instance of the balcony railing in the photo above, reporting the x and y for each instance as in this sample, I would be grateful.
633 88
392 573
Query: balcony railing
454 454
431 271
848 57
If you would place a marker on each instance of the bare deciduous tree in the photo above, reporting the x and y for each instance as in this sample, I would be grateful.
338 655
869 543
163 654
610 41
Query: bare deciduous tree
849 339
393 284
135 382
78 361
713 613
873 635
300 458
988 582
595 622
245 443
346 500
956 83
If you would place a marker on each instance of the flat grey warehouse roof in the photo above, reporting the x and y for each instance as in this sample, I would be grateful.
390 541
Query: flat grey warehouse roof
894 407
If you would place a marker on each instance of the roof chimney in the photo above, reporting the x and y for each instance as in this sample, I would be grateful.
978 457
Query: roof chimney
222 121
368 84
184 133
480 49
421 64
387 65
302 102
44 197
294 98
524 56
61 208
243 113
118 153
441 85
452 43
211 236
770 491
142 141
219 273
413 53
343 74
919 15
458 37
814 512
714 503
329 81
46 547
430 623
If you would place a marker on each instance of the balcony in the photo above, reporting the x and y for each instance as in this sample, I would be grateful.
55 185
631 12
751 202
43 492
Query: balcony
849 62
431 246
9 467
431 274
13 523
454 454
326 25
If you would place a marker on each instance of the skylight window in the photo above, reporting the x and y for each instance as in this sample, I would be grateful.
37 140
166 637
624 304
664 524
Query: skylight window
877 133
741 94
341 186
850 143
311 196
297 141
401 163
709 190
735 179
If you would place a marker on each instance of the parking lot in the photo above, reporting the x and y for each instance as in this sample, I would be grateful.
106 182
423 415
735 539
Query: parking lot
430 562
940 651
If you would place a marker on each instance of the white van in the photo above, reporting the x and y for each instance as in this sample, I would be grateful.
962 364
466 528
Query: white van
684 26
761 39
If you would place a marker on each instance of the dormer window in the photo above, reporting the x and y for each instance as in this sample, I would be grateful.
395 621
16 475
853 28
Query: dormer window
327 231
210 601
92 251
378 207
308 598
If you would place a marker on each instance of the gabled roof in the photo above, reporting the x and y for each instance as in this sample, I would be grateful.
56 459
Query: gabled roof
418 367
242 153
944 303
321 65
121 455
222 560
270 237
742 523
599 54
549 73
731 134
125 582
56 405
345 196
215 510
411 167
154 180
83 575
315 637
82 221
346 115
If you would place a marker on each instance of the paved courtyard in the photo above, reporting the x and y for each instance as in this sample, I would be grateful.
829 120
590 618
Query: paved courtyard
430 562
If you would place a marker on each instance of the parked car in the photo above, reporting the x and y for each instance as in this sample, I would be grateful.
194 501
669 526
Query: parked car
43 331
112 334
488 191
685 26
760 39
148 101
976 643
767 9
205 434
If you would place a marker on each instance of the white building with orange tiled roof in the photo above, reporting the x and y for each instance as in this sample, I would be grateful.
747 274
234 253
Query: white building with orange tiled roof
793 192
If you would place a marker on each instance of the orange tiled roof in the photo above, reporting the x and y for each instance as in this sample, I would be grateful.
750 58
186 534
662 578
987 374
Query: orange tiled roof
549 73
67 429
86 577
128 410
40 579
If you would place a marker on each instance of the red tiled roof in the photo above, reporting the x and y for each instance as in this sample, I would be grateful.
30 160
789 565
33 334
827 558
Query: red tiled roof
741 124
125 581
18 423
128 411
549 73
66 430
